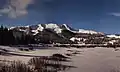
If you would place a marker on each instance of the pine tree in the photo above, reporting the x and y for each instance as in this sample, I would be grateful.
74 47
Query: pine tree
6 36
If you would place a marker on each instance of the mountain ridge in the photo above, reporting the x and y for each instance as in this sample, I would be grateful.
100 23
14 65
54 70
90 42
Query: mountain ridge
55 27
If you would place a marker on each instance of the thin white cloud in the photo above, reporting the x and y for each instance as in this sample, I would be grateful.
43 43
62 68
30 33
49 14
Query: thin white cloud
115 14
16 8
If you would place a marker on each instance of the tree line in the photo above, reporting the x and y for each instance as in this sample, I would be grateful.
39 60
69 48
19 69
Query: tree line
7 37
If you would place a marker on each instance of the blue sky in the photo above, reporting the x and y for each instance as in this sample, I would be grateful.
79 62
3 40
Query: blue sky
99 15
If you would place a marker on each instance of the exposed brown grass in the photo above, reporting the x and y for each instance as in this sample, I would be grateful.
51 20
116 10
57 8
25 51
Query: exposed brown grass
48 64
36 64
16 66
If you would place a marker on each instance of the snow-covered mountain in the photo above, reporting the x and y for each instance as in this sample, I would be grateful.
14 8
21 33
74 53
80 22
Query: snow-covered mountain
35 29
61 33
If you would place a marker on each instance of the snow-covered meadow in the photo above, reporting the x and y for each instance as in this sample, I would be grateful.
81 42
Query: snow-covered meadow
88 60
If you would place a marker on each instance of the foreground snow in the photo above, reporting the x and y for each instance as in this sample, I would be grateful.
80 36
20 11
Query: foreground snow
96 60
90 60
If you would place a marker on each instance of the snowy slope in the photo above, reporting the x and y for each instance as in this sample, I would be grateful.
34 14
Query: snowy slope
37 29
55 27
113 36
83 31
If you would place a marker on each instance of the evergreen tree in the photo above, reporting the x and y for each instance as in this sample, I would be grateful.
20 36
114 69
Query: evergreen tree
8 38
